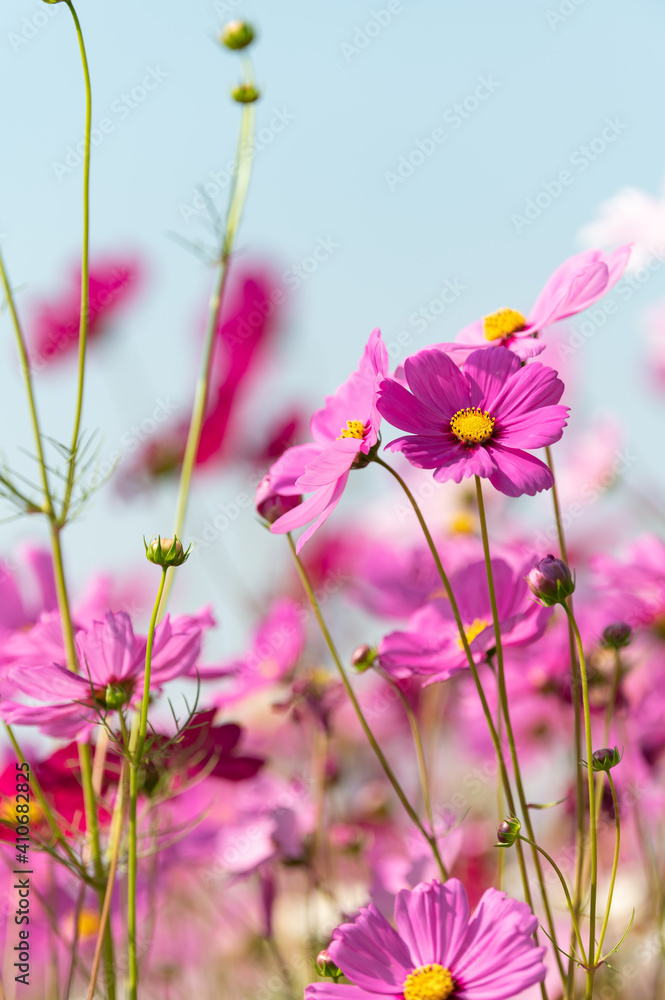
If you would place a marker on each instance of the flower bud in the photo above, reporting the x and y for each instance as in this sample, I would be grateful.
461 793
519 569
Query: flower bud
115 696
271 505
166 551
550 581
507 832
326 967
236 35
605 759
363 657
245 93
618 635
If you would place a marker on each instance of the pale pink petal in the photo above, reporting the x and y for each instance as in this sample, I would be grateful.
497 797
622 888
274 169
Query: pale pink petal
370 953
433 921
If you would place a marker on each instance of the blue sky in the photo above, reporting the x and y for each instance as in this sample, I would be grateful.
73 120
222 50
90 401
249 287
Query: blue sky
407 138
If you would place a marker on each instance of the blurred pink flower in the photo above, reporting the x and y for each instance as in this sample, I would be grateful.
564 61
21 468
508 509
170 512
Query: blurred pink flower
437 950
56 324
345 430
575 285
477 419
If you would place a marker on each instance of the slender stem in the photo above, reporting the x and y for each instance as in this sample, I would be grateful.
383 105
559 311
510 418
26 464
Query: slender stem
593 832
103 920
569 902
242 173
136 747
27 378
85 283
413 816
498 750
577 733
503 698
615 865
63 601
420 755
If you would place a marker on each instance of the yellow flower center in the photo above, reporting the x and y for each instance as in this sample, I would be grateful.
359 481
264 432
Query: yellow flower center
471 631
430 982
472 426
88 923
503 323
353 429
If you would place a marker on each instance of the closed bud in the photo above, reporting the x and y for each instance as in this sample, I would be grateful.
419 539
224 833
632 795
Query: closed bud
550 581
245 93
236 35
115 696
508 832
325 966
363 657
605 759
618 635
166 552
271 505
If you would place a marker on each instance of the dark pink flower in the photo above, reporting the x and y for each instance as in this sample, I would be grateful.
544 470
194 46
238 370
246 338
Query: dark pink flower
437 950
476 419
344 431
56 324
575 285
431 645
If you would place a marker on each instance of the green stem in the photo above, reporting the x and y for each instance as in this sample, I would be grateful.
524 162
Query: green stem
242 173
420 756
496 742
85 283
136 747
577 722
27 378
593 833
569 902
615 865
116 830
503 698
413 816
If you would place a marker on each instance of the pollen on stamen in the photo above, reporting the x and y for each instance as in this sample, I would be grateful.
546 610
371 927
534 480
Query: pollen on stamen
472 426
429 982
472 631
353 429
503 323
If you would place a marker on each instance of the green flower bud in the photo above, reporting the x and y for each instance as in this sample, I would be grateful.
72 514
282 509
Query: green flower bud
166 551
507 832
363 657
605 759
617 635
245 93
236 35
325 966
115 696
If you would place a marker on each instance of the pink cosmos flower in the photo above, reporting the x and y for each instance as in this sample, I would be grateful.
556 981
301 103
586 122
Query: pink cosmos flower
112 662
575 285
477 418
345 430
56 326
431 644
437 950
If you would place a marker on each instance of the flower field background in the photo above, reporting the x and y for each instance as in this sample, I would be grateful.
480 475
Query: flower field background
332 569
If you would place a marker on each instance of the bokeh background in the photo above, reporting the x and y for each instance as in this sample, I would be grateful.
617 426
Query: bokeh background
357 89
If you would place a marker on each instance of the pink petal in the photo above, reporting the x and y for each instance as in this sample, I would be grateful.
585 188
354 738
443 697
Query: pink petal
435 379
534 430
490 370
532 386
403 410
370 953
518 472
433 921
331 463
340 991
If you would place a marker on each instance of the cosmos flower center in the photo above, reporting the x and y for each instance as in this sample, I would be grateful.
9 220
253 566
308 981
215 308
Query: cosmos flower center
429 982
502 323
353 429
472 426
473 630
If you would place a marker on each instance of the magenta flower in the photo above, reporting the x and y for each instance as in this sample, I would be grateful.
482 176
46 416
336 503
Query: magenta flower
431 645
438 951
477 418
575 285
56 326
344 431
112 661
